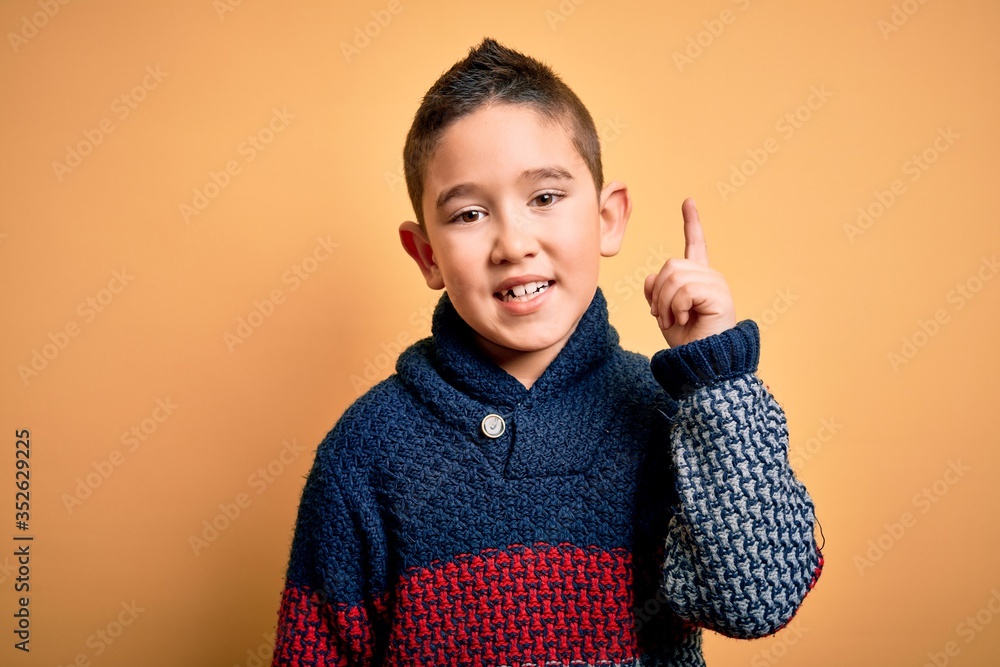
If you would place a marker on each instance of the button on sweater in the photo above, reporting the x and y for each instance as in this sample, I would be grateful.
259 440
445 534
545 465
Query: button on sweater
625 504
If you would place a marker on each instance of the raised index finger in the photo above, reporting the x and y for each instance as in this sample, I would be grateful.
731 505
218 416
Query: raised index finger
694 237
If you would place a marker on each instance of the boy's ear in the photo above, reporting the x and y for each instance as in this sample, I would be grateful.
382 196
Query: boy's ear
616 207
417 246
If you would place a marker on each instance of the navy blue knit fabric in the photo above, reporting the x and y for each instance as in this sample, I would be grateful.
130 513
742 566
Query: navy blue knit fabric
628 504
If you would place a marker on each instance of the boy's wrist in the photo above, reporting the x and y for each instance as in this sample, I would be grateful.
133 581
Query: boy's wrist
700 363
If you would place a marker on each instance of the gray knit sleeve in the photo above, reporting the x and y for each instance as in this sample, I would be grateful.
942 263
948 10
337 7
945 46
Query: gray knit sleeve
740 555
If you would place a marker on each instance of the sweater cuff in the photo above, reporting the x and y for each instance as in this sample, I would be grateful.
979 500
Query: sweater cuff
685 368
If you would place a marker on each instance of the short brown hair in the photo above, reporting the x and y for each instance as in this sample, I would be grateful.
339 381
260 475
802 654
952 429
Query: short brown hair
493 73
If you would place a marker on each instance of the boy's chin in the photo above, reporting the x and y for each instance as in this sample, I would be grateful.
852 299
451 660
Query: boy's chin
524 342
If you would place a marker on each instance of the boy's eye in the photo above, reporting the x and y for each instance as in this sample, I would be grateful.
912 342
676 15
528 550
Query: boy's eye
547 198
466 216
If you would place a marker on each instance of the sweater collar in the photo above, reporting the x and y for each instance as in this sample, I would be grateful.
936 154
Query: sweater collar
465 366
455 381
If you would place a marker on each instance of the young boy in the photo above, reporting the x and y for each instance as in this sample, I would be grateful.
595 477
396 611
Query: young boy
523 491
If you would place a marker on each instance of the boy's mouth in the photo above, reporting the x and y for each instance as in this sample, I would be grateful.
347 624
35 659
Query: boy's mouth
524 292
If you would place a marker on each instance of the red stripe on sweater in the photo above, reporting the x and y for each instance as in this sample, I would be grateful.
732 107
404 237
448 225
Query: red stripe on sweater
313 632
520 605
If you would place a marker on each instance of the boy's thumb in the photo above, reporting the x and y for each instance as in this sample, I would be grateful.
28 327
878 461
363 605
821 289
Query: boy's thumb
647 288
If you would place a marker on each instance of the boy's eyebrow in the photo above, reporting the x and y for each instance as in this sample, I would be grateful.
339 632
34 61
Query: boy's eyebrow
542 173
453 192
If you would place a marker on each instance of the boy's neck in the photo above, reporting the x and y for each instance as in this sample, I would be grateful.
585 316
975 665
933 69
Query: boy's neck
525 367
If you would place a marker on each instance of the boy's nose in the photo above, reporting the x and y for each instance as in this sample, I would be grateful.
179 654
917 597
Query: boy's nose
515 240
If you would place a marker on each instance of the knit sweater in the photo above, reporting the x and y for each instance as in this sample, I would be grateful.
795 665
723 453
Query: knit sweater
602 517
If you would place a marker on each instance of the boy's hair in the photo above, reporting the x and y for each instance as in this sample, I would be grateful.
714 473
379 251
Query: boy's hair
495 74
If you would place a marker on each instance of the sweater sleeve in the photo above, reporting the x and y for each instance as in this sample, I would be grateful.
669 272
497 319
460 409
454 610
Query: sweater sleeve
740 553
329 615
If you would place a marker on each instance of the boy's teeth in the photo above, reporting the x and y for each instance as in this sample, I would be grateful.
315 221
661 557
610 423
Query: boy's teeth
524 292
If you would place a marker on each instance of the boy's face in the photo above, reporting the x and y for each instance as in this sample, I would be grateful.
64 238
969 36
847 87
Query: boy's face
514 229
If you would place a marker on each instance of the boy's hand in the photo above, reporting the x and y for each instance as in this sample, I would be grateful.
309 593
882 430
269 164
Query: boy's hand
689 299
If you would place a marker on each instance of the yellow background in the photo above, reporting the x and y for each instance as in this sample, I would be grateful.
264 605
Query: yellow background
868 434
